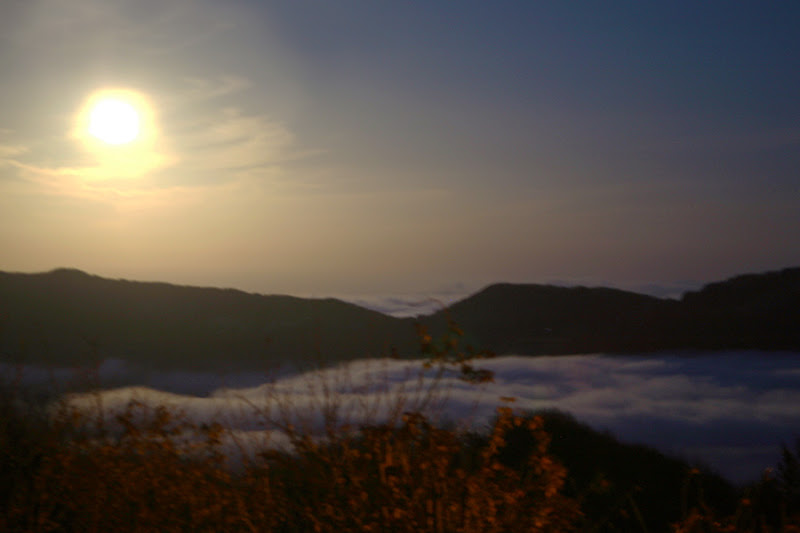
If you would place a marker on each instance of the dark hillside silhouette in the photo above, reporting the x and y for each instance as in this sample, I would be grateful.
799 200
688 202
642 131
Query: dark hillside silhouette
545 319
754 311
68 317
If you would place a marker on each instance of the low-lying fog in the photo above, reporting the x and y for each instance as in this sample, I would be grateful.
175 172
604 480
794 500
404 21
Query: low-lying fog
729 410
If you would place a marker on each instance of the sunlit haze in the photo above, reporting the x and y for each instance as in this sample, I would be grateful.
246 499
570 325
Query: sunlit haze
428 148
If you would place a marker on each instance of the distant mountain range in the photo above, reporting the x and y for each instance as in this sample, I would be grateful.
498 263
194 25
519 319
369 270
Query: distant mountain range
70 318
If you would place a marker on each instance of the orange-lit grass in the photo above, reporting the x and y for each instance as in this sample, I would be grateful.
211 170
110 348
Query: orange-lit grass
151 469
158 475
155 471
417 477
765 508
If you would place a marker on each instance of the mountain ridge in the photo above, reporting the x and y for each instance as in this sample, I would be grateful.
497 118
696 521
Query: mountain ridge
748 311
70 317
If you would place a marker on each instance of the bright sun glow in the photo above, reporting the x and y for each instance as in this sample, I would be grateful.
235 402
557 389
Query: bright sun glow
117 128
114 121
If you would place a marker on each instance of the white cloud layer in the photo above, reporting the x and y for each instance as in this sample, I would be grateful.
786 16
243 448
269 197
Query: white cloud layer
729 410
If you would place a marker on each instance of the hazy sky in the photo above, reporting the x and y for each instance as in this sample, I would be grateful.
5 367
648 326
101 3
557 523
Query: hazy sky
328 147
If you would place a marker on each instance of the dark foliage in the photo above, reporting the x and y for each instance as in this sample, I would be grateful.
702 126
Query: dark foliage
621 487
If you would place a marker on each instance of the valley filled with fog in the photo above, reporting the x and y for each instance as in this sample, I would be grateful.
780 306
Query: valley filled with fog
728 410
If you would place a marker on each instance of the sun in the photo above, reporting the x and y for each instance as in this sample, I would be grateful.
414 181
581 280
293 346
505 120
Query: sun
114 121
116 127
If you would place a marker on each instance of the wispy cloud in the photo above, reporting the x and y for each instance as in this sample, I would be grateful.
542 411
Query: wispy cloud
148 25
229 141
204 143
8 152
200 89
211 134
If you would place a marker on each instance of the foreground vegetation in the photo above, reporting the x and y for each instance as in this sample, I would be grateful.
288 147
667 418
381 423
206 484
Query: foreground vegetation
151 469
154 471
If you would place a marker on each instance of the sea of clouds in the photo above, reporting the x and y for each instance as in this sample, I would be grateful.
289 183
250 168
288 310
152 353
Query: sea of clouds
729 410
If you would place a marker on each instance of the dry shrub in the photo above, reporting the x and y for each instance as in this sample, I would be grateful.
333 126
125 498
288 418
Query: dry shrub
154 475
417 477
160 473
764 509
